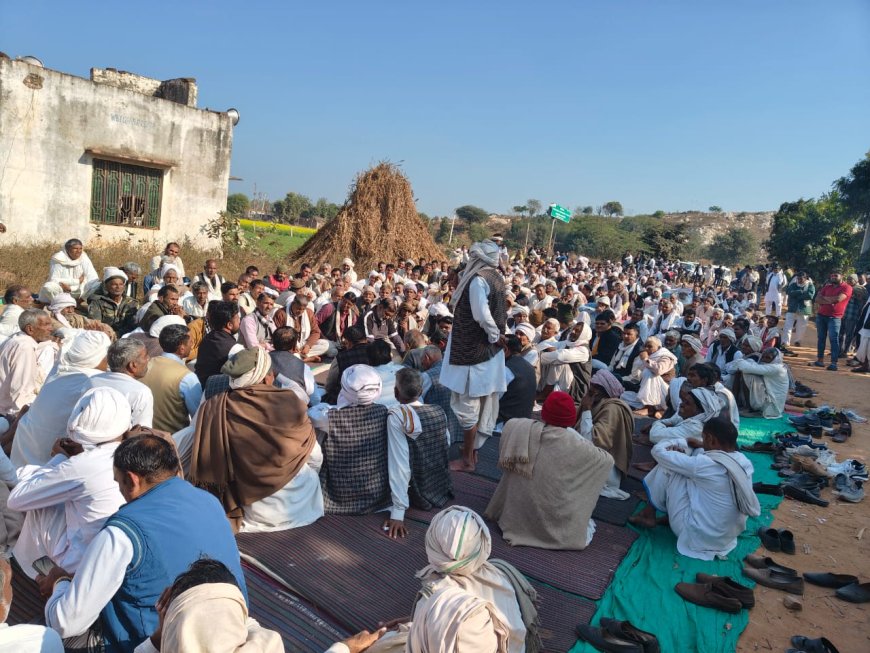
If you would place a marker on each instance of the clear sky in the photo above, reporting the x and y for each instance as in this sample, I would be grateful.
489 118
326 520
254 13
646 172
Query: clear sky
657 104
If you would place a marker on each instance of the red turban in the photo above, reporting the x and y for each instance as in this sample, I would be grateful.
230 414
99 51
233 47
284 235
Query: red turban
559 410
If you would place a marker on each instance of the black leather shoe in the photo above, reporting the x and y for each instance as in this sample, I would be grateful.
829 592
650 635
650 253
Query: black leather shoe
769 538
825 579
604 641
767 488
786 541
624 630
855 593
806 496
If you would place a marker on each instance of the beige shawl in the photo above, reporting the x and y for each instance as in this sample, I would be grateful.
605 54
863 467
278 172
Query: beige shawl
213 617
550 510
452 620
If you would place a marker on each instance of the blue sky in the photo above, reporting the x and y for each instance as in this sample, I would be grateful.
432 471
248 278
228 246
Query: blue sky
659 105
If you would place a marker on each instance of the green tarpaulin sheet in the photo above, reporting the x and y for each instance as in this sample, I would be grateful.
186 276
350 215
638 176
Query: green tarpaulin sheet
642 590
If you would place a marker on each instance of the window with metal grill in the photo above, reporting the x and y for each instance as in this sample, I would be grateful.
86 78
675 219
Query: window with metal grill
126 195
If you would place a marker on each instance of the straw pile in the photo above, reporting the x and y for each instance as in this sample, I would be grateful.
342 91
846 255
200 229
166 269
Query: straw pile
378 222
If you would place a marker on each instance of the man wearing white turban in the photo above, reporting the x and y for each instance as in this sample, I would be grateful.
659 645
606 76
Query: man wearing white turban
113 307
68 499
474 361
458 546
82 356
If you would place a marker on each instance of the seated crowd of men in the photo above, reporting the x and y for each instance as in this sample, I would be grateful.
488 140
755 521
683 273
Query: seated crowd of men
119 405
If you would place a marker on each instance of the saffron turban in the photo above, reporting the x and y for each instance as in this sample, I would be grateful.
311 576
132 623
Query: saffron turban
360 386
559 410
609 383
101 415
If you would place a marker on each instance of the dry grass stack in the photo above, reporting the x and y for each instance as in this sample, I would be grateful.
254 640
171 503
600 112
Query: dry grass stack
378 222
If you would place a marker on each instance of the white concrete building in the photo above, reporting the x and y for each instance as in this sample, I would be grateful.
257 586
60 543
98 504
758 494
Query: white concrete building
112 154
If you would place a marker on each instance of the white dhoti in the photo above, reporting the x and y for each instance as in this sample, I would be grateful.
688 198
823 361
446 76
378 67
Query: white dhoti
773 303
44 533
653 391
794 322
481 412
323 348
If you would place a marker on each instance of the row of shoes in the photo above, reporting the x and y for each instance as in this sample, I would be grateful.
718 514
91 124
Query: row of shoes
618 637
823 421
766 571
803 464
718 592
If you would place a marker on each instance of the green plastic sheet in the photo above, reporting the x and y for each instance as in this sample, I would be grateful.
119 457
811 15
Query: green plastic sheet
642 590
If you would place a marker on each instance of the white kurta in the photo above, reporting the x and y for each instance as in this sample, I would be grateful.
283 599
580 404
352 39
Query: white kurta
9 319
20 375
28 638
74 273
697 495
46 420
770 394
485 378
67 502
298 503
138 394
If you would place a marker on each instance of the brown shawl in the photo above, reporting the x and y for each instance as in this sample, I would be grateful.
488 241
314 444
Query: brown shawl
612 426
249 443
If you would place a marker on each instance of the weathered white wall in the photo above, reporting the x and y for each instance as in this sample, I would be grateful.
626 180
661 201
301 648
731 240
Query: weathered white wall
48 121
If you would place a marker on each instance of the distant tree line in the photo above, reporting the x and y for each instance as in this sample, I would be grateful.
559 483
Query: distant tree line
291 209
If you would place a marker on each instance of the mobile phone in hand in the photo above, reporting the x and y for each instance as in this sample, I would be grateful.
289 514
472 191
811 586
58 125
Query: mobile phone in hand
44 565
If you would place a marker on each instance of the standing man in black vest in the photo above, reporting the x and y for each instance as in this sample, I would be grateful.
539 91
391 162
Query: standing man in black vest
474 364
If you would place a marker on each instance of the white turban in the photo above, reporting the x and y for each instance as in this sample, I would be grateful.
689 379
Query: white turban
348 262
516 309
101 415
112 272
481 255
754 342
162 322
61 301
439 309
166 268
526 329
49 290
729 333
85 350
692 341
360 386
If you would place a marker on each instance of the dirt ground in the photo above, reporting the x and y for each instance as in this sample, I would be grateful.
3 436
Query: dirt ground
835 539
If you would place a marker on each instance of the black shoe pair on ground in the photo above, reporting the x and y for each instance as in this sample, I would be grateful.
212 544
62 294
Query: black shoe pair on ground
777 539
618 637
718 592
806 645
848 587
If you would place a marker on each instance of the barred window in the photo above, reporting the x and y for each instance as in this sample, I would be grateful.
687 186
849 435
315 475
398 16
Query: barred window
126 195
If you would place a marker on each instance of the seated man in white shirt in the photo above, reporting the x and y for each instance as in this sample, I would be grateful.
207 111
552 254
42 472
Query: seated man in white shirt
68 499
417 444
565 361
706 492
128 364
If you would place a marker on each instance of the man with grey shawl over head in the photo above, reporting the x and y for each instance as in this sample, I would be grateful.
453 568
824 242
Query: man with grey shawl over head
474 362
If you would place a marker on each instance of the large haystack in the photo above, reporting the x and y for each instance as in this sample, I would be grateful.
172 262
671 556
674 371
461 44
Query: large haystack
378 222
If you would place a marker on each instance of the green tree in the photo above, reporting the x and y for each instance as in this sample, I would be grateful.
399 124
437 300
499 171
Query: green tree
587 210
854 190
612 208
534 207
659 214
715 209
472 214
666 241
735 245
816 235
520 209
238 204
477 232
292 207
322 209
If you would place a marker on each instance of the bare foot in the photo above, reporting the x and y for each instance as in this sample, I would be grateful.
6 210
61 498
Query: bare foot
642 520
462 465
